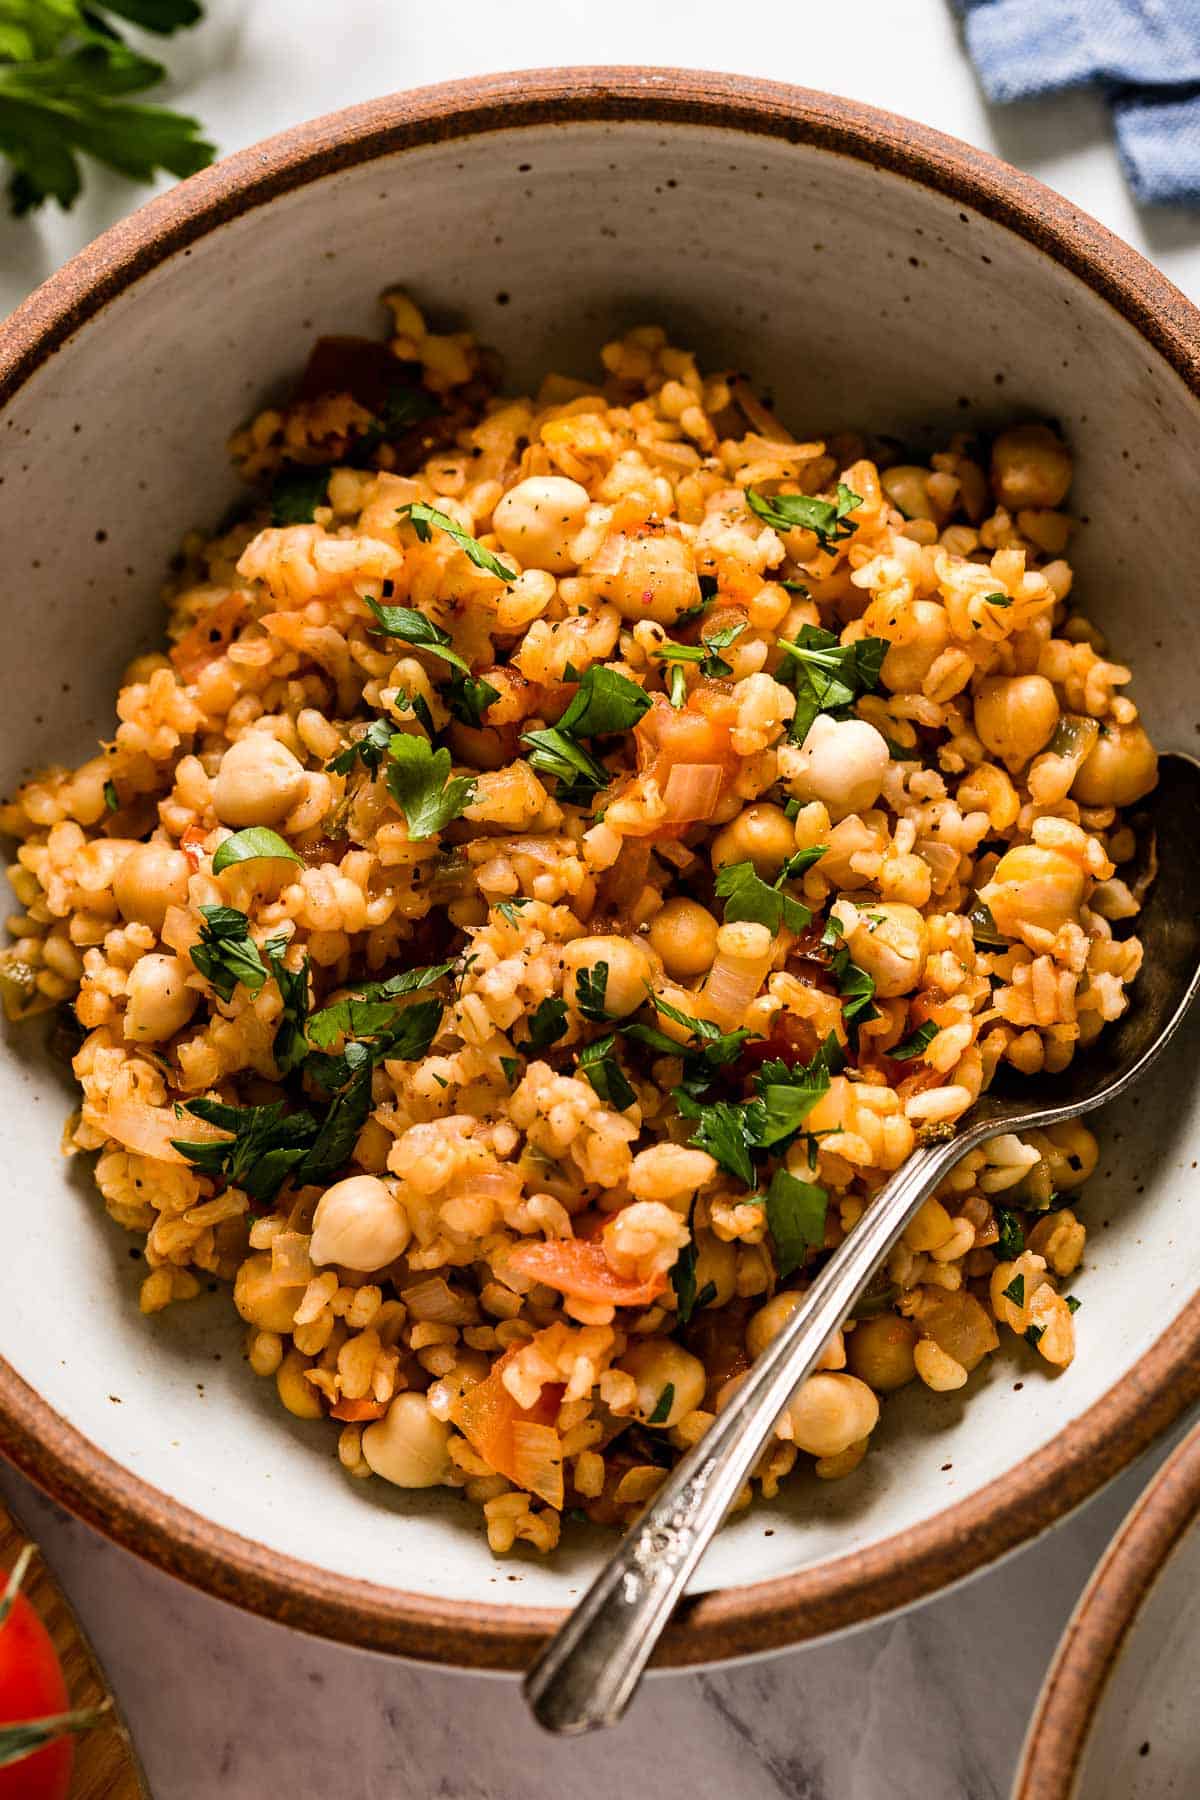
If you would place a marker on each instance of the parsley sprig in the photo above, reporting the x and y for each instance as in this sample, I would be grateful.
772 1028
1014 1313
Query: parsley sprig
227 954
369 749
705 654
65 77
420 782
748 896
424 517
604 704
808 512
828 675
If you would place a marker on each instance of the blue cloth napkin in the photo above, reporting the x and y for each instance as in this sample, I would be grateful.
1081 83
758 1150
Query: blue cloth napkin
1144 53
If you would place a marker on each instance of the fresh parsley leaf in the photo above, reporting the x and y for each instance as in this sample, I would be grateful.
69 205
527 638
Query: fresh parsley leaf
226 953
508 909
726 1130
599 1066
795 1218
663 1405
677 686
997 599
265 1146
419 781
856 987
289 1048
547 1023
828 674
605 702
252 845
1011 1241
65 73
747 896
369 749
683 1281
788 1095
412 627
704 653
1072 1304
916 1045
799 862
552 752
827 518
334 1143
111 800
1034 1334
590 986
468 697
296 494
371 1007
512 1069
424 516
1015 1291
984 930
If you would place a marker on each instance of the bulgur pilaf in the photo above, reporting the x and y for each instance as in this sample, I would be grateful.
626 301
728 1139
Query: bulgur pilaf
573 850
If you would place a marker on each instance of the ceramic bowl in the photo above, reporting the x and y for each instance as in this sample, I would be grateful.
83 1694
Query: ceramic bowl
1117 1717
868 272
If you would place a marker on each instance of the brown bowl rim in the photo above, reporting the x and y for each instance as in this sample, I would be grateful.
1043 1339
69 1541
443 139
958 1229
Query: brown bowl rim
964 1537
1096 1633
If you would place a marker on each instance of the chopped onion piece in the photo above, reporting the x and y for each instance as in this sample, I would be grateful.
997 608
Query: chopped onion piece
537 1461
691 793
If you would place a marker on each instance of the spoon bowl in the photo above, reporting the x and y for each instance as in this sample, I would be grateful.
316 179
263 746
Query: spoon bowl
589 1671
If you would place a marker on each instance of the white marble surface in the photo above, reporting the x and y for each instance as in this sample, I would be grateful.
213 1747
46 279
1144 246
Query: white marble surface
929 1707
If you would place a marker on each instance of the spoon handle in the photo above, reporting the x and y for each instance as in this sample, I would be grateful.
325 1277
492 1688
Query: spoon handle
588 1672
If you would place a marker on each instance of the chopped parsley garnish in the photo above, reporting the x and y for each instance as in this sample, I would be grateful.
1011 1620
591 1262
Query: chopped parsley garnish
371 1007
1015 1291
856 987
726 1129
547 1023
336 1139
468 697
710 1049
512 1069
705 653
419 781
508 909
807 512
370 749
297 493
404 1037
788 1094
599 1066
1034 1334
1011 1240
266 1146
795 1218
997 599
916 1045
1072 1304
111 800
590 986
424 516
606 702
829 675
748 896
412 627
984 930
226 953
252 845
552 752
663 1405
290 1047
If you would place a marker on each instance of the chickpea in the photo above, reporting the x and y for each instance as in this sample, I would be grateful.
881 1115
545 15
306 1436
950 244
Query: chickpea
842 763
1015 716
408 1446
298 1395
1121 767
628 971
158 1000
656 1364
538 520
766 1324
906 665
151 878
716 1266
359 1223
1033 885
1072 1153
906 486
828 1413
890 941
880 1352
258 783
656 580
684 935
262 1298
762 834
1031 467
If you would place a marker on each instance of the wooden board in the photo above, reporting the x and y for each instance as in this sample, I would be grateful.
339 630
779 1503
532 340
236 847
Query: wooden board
106 1764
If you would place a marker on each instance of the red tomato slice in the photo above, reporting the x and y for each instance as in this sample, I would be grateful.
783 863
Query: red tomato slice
580 1268
32 1687
488 1417
210 636
356 1411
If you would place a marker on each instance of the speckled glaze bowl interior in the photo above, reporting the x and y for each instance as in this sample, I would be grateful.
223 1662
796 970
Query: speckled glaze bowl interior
867 272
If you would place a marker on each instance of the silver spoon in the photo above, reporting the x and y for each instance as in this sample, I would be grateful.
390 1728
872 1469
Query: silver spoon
588 1672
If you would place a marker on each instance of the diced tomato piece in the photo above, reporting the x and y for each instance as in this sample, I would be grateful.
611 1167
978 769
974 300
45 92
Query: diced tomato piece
792 1041
356 1411
191 844
487 1415
210 636
580 1268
